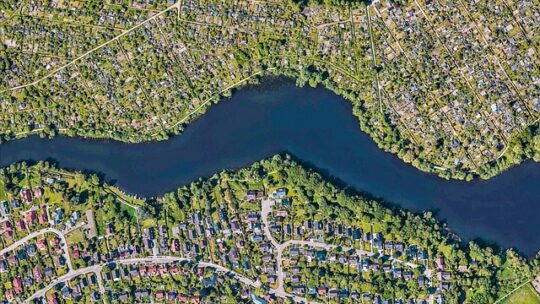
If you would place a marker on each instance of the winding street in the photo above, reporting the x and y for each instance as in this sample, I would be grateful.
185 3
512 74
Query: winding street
171 259
147 260
35 234
266 208
68 276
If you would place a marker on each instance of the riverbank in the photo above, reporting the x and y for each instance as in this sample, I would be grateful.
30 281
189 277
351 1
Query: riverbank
274 202
316 126
519 149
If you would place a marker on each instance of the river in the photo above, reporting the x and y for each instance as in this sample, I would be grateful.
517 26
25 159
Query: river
317 127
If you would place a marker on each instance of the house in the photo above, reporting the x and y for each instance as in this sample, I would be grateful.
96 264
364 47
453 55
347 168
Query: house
8 230
286 202
31 218
59 261
3 266
51 298
15 204
281 213
256 238
440 264
4 207
444 276
321 255
298 289
123 297
399 247
160 295
174 270
31 249
110 229
421 281
357 234
38 192
17 285
183 297
141 294
251 196
280 193
55 241
171 296
48 272
152 270
235 226
26 195
116 275
58 215
38 274
43 218
209 282
12 260
95 296
9 295
175 246
19 224
257 300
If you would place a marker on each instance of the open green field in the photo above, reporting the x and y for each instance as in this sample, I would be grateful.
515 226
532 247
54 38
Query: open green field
524 295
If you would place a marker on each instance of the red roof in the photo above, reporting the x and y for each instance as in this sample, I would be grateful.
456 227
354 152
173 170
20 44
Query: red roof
51 298
9 295
43 218
17 285
38 192
41 244
20 225
38 274
31 218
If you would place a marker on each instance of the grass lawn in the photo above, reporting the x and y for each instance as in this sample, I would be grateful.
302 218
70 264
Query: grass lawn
129 199
3 195
75 236
524 295
130 211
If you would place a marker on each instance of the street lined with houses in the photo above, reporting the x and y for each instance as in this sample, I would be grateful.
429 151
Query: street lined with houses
252 235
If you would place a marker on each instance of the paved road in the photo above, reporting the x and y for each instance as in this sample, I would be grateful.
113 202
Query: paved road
266 209
96 48
171 259
147 260
35 234
70 275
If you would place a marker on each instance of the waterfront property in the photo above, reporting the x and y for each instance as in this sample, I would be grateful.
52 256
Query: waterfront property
269 232
317 127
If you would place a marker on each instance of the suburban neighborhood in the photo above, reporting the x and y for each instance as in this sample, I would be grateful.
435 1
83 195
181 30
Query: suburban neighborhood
451 87
68 237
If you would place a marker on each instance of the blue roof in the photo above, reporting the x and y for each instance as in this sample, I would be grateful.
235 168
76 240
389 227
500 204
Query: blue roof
257 300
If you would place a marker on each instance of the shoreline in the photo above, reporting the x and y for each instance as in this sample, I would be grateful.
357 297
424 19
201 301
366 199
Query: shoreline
487 170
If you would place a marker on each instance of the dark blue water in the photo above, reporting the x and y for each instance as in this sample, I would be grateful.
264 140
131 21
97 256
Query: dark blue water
315 126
